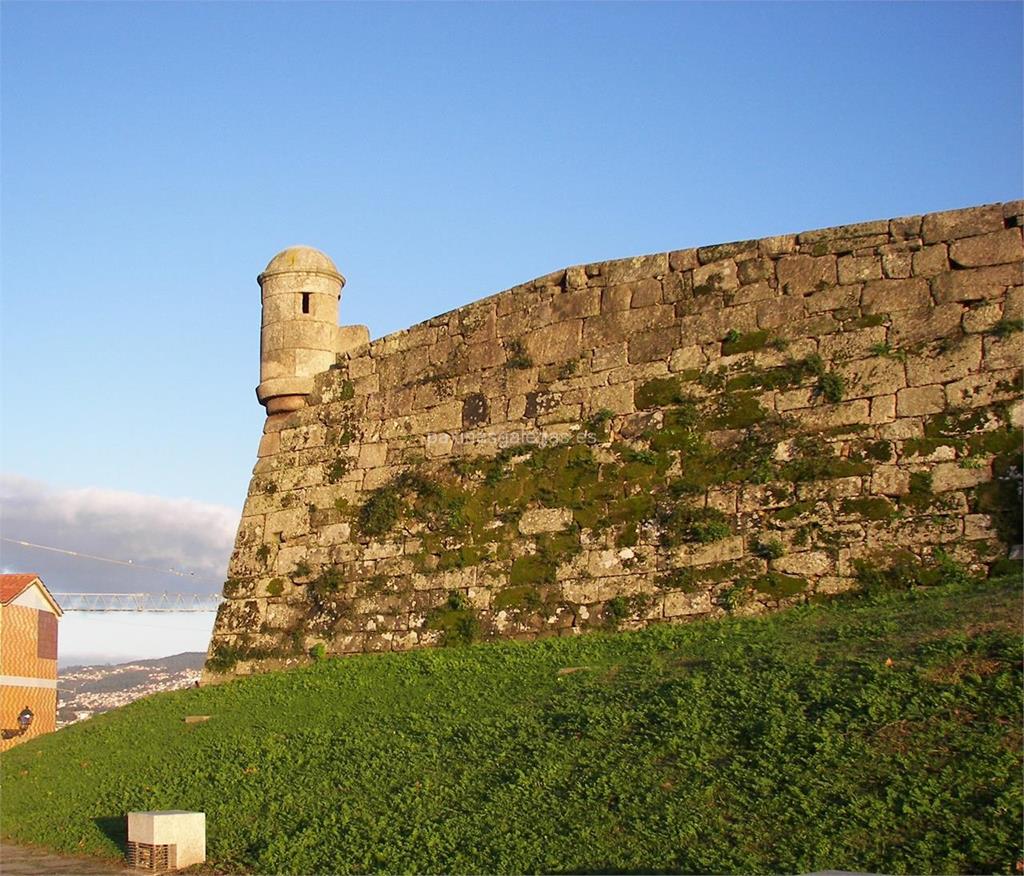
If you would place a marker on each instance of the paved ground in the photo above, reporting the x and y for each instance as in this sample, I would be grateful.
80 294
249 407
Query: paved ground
22 861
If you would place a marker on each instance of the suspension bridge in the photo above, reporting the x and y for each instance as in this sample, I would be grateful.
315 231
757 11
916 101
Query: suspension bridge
166 602
142 601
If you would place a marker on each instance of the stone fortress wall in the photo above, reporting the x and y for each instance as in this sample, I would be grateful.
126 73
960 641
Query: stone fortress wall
675 436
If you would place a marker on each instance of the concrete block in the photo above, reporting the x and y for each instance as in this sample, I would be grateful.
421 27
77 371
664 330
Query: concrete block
185 831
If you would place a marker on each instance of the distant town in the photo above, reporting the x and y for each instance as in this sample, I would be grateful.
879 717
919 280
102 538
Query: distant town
85 691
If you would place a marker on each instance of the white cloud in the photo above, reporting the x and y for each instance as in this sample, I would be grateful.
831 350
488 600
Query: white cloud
193 538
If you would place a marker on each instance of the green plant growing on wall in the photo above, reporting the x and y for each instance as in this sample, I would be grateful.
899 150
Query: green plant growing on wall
902 570
275 587
568 369
379 513
456 620
734 596
769 549
338 469
616 610
318 651
1006 327
736 342
658 393
597 425
263 554
832 386
681 524
517 357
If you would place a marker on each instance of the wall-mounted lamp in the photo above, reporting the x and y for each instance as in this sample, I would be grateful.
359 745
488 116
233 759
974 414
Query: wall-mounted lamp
25 719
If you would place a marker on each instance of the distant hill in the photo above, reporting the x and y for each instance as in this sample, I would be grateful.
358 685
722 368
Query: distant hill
89 690
877 734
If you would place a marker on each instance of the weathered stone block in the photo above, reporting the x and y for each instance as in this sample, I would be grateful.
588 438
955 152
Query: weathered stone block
803 273
954 363
651 345
887 296
684 358
982 317
948 476
878 375
1013 306
804 563
833 298
545 520
830 416
270 444
897 265
931 260
645 293
977 284
683 260
905 227
754 292
838 488
920 400
616 298
755 270
883 409
731 548
612 328
554 343
576 305
738 249
781 244
638 268
715 277
1004 352
851 344
780 311
857 269
617 398
997 248
890 480
961 223
372 455
924 324
977 390
841 232
684 604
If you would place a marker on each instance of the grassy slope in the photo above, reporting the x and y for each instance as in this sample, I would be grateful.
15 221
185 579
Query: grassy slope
774 744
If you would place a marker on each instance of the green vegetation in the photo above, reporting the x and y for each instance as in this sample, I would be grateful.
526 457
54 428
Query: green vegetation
735 342
832 386
769 549
779 586
347 391
658 393
338 469
456 619
531 570
517 357
868 507
880 735
1006 327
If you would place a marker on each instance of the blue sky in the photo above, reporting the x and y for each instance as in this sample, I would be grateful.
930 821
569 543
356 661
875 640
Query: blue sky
156 155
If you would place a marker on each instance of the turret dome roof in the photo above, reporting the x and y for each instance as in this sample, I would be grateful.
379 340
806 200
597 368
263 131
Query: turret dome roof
301 258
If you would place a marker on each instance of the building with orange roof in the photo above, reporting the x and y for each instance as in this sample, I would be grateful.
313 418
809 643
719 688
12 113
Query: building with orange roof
28 659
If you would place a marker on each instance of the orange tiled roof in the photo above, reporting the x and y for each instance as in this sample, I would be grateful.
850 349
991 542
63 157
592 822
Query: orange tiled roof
11 586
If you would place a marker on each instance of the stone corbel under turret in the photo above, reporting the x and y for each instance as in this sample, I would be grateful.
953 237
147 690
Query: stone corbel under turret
281 395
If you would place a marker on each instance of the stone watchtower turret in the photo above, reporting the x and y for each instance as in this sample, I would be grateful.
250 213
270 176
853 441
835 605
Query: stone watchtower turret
300 336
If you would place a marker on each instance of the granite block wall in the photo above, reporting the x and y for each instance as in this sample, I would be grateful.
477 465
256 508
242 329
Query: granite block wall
665 438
